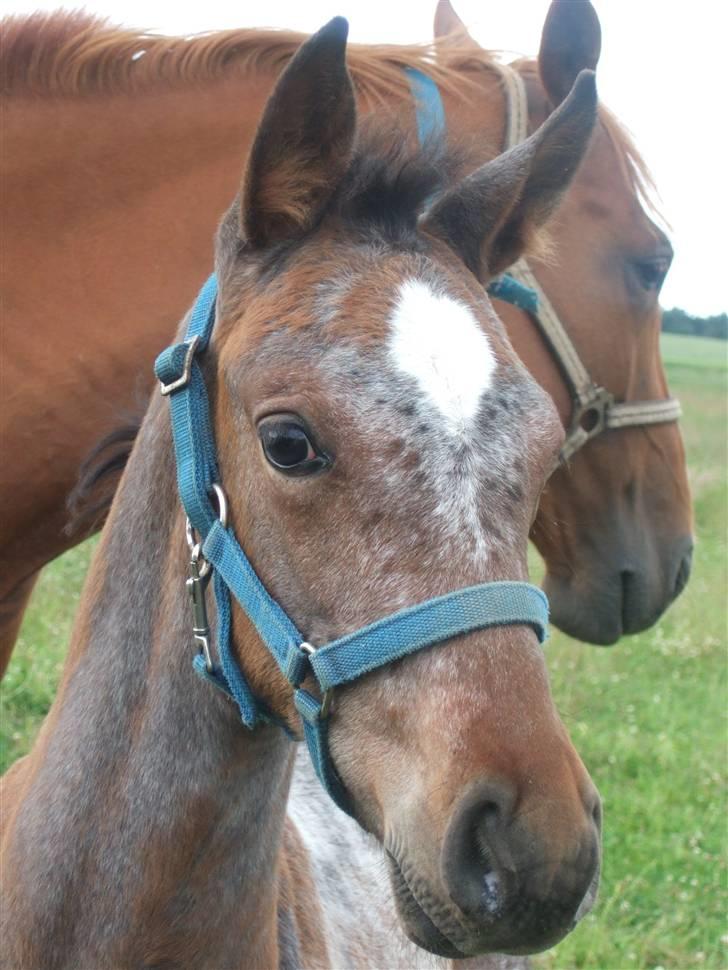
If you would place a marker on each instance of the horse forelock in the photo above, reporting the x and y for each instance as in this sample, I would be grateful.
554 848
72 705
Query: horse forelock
72 53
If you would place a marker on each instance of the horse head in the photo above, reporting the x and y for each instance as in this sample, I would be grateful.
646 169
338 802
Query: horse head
614 524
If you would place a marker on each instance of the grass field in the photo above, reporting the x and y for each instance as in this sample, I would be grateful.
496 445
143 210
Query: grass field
648 716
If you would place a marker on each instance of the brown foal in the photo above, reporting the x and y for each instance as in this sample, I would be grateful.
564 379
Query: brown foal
380 443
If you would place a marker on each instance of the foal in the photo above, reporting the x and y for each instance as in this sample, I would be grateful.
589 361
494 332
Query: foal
380 445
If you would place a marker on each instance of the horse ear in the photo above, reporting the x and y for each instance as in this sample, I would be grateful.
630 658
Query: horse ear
449 28
491 215
570 42
304 141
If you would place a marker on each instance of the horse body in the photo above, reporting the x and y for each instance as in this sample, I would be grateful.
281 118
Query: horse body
107 219
68 344
148 826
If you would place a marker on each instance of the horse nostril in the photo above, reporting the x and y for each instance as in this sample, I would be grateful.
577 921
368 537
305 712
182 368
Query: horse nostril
627 579
683 573
593 805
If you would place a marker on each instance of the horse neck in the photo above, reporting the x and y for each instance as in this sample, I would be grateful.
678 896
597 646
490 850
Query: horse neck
151 820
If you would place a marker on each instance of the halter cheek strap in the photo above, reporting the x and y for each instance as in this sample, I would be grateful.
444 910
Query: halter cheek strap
219 553
594 409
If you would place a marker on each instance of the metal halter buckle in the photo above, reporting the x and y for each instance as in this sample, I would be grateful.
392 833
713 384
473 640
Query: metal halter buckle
588 419
184 379
199 576
197 586
328 694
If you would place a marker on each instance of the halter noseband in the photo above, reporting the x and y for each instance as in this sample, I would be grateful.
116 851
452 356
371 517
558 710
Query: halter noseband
594 408
218 556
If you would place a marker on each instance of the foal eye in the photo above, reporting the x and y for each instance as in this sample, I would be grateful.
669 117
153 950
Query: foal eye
289 446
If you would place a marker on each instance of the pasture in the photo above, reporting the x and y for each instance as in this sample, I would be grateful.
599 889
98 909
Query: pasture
648 717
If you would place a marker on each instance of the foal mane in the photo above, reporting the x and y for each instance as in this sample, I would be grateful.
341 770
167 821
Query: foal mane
73 54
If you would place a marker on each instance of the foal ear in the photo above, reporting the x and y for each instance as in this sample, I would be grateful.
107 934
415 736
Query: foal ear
304 141
449 28
490 216
570 42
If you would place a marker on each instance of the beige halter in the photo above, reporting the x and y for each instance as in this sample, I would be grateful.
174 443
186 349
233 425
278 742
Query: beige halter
594 408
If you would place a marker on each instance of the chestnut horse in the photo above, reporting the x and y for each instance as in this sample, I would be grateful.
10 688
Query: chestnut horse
112 137
382 448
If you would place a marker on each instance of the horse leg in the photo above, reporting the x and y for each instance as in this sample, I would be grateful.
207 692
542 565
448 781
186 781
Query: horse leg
12 609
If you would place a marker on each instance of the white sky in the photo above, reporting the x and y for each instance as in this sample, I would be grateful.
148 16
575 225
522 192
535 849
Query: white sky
660 72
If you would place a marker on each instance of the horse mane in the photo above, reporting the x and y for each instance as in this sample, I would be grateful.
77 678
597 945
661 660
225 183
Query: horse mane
74 54
634 168
66 54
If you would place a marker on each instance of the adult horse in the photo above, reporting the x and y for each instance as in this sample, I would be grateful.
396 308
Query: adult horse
375 465
112 137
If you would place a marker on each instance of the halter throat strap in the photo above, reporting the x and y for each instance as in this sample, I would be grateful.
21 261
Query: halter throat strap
330 665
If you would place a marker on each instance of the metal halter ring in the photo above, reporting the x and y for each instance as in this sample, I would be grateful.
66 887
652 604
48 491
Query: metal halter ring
193 542
328 694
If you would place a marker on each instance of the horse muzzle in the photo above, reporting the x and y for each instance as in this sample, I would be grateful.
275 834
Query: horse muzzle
623 596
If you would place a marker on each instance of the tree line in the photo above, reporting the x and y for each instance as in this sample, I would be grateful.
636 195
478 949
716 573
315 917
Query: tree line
678 321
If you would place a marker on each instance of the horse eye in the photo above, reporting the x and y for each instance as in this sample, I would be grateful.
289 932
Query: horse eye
652 272
289 447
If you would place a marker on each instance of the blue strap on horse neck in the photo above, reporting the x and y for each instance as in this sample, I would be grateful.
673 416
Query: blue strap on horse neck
431 124
343 660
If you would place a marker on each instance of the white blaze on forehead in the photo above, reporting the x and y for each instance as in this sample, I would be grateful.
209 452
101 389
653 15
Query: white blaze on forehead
438 341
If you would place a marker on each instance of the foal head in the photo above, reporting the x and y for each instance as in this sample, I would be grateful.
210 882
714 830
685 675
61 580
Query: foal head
381 444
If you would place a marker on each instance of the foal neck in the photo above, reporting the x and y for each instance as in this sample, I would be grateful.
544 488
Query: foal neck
151 820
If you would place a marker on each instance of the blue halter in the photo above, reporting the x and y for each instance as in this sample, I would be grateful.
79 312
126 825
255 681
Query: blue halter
431 125
338 662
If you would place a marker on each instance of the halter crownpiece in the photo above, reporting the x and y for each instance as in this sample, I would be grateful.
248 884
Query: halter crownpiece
218 556
594 408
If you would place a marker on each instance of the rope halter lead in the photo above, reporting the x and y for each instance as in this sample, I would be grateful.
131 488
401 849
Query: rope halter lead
217 555
594 408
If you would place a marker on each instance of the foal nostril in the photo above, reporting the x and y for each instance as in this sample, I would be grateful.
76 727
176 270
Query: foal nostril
476 859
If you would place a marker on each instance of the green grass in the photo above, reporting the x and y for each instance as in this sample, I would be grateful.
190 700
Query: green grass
680 351
648 717
35 669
